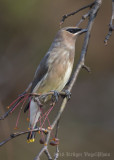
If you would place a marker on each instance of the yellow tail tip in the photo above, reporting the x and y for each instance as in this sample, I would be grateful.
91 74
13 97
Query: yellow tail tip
30 140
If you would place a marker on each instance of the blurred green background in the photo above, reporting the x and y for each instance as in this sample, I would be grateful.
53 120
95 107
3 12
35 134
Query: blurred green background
27 29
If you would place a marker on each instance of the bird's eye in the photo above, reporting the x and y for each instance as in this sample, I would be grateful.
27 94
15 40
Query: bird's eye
73 30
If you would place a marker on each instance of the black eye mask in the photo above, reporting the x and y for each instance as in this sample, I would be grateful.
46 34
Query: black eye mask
73 30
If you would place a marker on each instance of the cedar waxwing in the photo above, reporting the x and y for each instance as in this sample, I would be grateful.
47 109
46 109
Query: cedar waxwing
54 70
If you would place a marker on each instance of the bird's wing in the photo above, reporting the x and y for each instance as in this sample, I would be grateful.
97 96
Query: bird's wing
40 72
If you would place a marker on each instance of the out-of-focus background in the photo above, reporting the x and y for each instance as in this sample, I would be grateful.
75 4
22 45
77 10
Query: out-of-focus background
27 29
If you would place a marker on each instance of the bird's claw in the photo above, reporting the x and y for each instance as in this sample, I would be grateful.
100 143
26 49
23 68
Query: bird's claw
55 96
67 94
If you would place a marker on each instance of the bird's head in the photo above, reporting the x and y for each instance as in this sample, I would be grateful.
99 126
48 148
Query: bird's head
69 34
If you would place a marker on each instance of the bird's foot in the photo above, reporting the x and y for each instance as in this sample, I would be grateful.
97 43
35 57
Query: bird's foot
55 96
67 94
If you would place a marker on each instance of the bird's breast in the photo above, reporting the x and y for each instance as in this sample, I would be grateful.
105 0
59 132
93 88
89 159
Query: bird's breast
66 75
60 64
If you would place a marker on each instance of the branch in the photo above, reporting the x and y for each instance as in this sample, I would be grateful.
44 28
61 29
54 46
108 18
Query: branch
43 150
111 26
15 135
56 135
48 154
73 13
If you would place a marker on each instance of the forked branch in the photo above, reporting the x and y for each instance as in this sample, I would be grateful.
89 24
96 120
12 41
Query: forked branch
73 13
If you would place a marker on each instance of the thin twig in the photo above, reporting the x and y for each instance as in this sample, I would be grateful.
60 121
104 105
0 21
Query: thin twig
57 127
14 135
48 154
43 150
73 13
56 156
83 18
40 153
111 26
86 68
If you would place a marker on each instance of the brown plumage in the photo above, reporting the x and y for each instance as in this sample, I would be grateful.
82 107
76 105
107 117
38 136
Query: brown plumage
54 70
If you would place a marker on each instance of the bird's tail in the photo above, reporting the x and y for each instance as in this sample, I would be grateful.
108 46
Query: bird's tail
34 116
31 137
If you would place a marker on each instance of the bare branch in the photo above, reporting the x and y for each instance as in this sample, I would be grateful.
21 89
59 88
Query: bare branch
111 26
48 154
40 153
73 13
15 135
86 68
83 18
43 150
80 64
57 127
56 156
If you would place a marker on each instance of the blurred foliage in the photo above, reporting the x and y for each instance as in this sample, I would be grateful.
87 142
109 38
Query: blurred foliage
27 29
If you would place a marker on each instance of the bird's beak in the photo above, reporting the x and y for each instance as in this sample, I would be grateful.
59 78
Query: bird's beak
82 31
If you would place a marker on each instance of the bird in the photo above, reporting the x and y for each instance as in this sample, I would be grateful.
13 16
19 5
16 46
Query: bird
54 71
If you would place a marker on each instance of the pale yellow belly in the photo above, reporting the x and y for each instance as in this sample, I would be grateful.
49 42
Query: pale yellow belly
53 81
